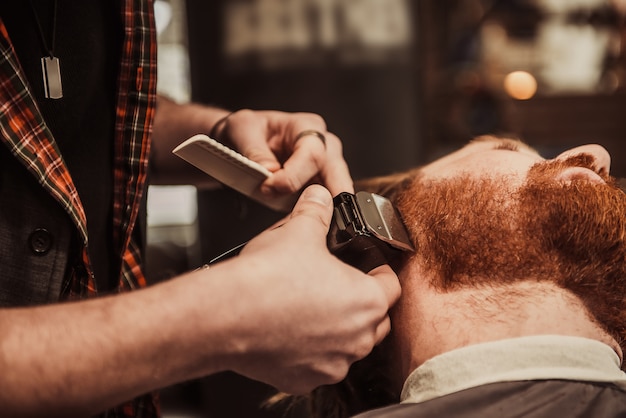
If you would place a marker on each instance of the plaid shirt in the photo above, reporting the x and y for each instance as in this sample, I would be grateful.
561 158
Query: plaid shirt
24 132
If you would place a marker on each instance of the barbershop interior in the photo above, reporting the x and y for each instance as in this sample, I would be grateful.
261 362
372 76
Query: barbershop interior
400 82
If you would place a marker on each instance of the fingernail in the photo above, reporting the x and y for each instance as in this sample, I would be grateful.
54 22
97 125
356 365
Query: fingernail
317 194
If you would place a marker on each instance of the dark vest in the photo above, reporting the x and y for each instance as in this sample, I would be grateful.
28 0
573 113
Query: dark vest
34 243
82 122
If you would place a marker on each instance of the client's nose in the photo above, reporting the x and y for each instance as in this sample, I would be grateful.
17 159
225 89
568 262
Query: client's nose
600 155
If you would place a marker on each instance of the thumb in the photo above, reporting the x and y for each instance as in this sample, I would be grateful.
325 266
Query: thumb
315 202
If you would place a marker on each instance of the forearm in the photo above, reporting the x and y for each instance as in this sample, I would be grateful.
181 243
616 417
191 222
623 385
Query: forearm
86 356
174 123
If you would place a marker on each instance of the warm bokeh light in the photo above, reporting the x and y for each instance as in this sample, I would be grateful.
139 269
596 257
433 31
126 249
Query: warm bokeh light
520 85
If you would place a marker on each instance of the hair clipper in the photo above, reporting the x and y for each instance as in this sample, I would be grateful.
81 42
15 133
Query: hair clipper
366 230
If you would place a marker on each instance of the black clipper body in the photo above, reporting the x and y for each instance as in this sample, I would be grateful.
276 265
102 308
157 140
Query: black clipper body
366 231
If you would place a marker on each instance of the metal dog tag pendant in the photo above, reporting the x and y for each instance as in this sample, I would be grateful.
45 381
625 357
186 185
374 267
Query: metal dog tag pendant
51 72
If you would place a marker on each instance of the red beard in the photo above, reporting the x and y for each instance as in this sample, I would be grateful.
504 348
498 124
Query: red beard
480 231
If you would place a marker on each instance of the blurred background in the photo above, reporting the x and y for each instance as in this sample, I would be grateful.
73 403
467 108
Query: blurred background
401 82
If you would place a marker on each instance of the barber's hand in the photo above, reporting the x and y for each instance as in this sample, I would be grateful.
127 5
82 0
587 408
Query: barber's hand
296 147
314 315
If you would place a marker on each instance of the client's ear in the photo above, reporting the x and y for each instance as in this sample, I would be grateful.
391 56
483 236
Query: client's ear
578 173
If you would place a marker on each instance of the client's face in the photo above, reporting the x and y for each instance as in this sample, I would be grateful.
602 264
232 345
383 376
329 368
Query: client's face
470 211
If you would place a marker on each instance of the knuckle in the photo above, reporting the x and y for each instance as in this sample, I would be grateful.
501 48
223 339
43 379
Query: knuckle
313 119
243 114
338 371
378 301
334 141
317 119
365 346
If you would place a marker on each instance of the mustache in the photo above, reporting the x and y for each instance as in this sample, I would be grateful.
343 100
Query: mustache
585 161
552 167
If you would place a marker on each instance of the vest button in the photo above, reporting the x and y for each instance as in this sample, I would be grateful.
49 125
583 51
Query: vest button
40 241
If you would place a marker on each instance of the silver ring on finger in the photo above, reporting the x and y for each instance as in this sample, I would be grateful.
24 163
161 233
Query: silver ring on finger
311 132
